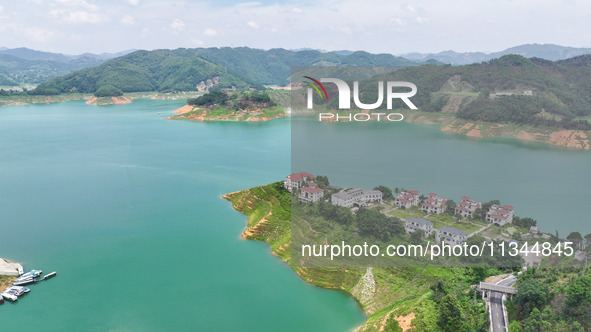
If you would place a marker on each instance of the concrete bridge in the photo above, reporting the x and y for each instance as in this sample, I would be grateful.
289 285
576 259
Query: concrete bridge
486 287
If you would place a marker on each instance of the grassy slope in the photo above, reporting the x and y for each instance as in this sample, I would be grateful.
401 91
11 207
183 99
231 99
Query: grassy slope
399 290
6 281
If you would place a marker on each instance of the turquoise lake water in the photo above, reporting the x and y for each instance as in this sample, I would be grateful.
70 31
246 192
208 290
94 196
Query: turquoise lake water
126 208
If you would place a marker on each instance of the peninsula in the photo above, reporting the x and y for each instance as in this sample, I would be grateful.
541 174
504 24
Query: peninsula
421 299
232 106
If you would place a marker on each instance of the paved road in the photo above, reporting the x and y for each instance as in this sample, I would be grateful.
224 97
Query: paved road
496 306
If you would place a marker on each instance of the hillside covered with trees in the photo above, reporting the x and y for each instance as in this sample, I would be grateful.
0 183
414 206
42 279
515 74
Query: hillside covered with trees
214 68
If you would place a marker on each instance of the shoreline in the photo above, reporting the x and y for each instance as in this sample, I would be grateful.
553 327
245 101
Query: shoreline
264 226
189 112
89 98
559 137
8 273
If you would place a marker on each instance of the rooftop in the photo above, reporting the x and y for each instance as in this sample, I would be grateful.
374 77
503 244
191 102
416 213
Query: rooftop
452 230
299 176
420 221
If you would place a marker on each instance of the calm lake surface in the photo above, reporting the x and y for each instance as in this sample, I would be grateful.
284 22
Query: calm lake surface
127 208
550 184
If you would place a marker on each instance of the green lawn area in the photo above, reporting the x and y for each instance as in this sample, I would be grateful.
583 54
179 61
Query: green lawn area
467 227
492 232
407 213
444 218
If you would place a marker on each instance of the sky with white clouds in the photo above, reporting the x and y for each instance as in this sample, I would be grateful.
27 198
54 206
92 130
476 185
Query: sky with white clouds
389 26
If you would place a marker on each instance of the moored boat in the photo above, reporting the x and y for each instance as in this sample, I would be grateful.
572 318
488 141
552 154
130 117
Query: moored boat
49 275
30 274
25 282
19 289
9 296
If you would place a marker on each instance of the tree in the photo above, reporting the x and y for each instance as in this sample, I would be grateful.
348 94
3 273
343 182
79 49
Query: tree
515 327
108 91
392 325
588 238
322 181
532 293
450 207
524 222
386 192
417 236
578 295
576 238
450 318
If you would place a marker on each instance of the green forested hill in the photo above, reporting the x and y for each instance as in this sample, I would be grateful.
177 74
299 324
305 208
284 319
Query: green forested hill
511 89
182 69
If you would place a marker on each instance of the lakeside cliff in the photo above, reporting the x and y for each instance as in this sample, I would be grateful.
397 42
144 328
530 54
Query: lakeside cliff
388 296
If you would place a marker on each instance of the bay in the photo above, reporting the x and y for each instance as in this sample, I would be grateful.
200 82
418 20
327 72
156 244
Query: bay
126 207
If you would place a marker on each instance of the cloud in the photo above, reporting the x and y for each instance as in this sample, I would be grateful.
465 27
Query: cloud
133 2
77 3
210 32
421 20
78 16
127 20
397 21
197 42
178 25
296 10
39 34
411 8
253 24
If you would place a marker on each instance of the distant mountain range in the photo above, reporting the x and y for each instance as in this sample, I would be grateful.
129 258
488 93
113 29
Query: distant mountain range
186 69
544 51
252 67
22 66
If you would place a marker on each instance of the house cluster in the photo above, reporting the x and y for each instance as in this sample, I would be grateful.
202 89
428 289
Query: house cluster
407 199
501 215
434 204
309 192
467 207
450 235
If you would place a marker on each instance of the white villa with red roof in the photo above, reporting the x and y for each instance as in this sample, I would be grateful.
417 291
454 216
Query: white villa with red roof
467 207
434 204
407 199
501 215
311 194
296 181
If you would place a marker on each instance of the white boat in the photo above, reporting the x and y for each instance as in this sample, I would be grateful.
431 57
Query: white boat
29 275
9 297
20 289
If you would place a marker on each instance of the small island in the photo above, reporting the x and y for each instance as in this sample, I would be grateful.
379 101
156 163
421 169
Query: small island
231 106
